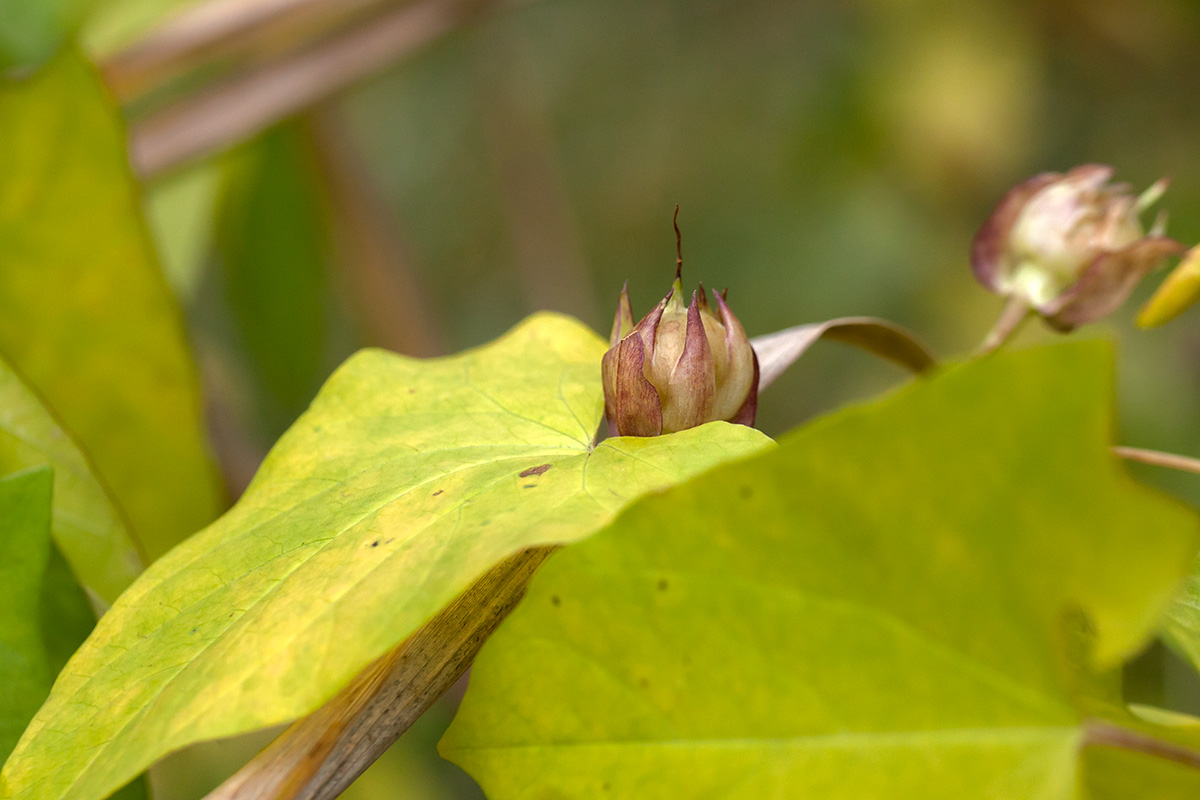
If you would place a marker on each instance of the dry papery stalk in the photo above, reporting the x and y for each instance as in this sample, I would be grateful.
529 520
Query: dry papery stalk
232 111
317 757
223 29
1157 459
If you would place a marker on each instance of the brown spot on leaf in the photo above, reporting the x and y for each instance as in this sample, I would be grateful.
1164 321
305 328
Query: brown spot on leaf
535 470
662 585
555 600
439 491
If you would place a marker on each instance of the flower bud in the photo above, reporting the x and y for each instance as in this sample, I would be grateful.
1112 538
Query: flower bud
679 367
1070 246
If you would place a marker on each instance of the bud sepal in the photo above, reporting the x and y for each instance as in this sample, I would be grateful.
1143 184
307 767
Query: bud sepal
679 367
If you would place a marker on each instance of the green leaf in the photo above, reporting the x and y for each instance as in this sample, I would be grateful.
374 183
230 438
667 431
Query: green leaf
42 612
1144 752
887 605
404 482
31 30
1182 629
272 250
86 525
85 314
44 615
115 25
1114 774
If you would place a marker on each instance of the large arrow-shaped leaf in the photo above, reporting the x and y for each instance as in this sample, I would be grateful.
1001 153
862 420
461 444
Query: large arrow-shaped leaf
889 605
404 482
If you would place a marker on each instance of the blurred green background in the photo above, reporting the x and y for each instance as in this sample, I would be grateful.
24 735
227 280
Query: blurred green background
830 158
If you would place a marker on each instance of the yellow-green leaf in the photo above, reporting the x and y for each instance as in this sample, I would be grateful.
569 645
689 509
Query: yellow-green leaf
1182 629
404 482
86 524
891 604
85 314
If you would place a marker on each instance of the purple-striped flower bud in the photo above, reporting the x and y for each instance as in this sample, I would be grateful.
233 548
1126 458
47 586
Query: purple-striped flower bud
1070 246
680 367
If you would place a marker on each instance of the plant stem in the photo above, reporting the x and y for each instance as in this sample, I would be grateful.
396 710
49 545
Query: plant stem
1157 459
207 33
1015 312
1105 734
233 111
320 755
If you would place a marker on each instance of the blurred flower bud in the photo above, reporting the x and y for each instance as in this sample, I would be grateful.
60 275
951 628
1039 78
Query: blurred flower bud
680 367
1180 290
1070 246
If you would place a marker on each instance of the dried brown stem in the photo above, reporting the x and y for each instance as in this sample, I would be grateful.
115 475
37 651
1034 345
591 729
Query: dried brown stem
236 110
678 244
219 29
319 756
1157 459
1104 734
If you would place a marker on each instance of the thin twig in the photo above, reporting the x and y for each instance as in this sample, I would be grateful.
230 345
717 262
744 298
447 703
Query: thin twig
234 111
1015 312
319 756
1104 734
1157 459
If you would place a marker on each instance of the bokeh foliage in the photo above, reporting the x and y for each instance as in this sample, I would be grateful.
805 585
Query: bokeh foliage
831 158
